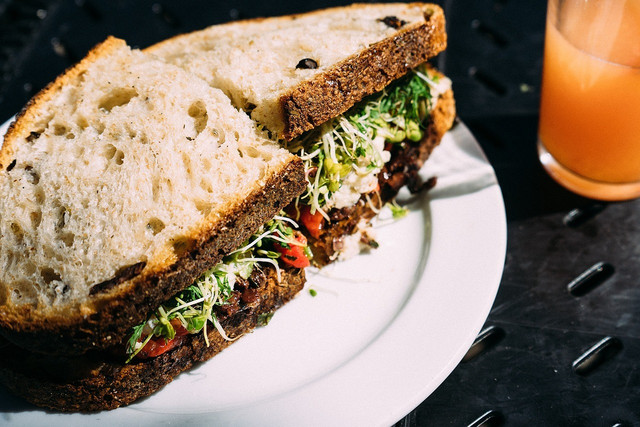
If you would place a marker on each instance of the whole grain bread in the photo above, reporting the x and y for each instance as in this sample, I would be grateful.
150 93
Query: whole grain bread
99 381
295 72
120 183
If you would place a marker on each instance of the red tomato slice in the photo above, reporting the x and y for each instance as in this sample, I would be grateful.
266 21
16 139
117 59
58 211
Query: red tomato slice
314 223
294 255
157 346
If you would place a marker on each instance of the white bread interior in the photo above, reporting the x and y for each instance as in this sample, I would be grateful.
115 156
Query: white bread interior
254 62
112 165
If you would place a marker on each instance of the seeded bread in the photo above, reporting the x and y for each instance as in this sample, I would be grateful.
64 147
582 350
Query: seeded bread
120 183
95 382
295 72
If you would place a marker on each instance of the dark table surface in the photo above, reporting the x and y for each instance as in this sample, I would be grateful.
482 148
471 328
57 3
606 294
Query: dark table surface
528 366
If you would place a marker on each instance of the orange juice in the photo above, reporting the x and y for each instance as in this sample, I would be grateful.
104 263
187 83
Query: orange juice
590 104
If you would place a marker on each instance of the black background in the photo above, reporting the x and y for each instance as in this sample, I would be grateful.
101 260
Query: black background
522 373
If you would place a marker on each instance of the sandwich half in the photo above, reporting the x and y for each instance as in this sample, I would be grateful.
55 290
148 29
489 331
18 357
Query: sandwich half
139 231
347 89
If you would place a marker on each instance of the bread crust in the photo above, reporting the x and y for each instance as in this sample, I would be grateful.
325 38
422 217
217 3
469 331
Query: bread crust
345 221
333 92
108 314
117 310
96 382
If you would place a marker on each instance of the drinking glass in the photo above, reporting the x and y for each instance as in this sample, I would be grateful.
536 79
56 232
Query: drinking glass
589 132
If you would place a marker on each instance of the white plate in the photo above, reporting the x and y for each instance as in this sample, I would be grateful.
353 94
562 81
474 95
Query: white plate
384 330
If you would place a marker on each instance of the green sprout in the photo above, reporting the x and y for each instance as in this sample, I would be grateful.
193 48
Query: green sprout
350 143
194 306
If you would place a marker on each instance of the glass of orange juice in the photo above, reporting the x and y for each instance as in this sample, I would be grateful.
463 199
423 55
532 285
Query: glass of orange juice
589 133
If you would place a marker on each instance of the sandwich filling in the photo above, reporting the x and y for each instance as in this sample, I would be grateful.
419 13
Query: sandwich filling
345 156
221 290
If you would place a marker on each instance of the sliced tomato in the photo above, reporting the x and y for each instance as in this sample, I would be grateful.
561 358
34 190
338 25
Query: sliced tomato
157 346
294 255
313 222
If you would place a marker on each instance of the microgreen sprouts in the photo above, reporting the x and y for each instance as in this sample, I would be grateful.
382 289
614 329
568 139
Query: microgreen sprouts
194 306
349 151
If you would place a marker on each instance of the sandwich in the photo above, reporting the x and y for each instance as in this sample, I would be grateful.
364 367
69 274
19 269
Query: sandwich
348 89
141 231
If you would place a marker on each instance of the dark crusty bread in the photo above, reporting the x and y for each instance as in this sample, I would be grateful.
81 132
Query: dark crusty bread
99 381
334 92
357 50
120 183
400 170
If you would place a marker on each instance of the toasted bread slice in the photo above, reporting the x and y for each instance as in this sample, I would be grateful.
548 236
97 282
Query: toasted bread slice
120 183
99 381
295 72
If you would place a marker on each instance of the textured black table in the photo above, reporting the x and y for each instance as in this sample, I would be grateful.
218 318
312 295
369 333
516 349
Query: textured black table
531 364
